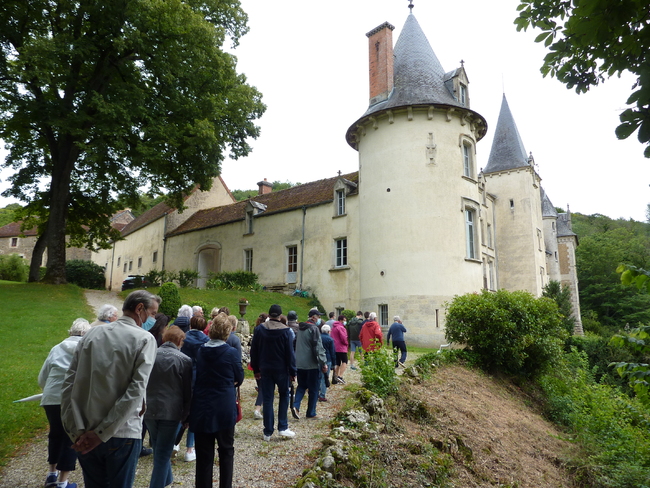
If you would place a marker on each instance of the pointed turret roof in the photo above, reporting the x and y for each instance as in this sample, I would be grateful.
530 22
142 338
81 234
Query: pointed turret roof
548 210
507 149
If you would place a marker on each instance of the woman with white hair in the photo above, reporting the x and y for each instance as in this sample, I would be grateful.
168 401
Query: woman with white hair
370 336
107 313
61 456
183 318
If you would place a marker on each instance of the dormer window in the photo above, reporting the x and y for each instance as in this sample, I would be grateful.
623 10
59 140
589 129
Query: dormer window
342 188
253 208
340 202
463 94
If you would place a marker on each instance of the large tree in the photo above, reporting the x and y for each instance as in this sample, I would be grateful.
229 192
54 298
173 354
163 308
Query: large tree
101 97
591 40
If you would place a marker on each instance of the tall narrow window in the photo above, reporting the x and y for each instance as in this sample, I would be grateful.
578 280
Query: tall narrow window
248 260
292 263
118 260
130 265
383 315
470 232
463 95
14 242
491 270
154 258
340 202
489 235
139 262
467 160
341 252
249 222
125 266
539 239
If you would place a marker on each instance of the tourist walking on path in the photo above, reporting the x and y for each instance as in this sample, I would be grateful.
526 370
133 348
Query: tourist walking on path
310 359
370 335
397 331
354 327
61 456
340 336
213 413
104 418
169 393
330 354
274 364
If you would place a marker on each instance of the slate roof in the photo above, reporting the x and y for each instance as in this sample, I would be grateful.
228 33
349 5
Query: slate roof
548 210
507 151
564 225
309 195
13 230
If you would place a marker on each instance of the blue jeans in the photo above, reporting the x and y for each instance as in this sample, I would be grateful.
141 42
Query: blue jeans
112 464
323 389
267 387
400 346
307 380
163 434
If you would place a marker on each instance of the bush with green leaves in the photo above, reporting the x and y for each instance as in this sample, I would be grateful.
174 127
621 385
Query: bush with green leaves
158 277
187 278
561 294
348 314
171 299
512 332
378 371
85 274
13 268
233 280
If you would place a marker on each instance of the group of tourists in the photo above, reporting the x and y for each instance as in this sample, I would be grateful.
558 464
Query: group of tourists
96 381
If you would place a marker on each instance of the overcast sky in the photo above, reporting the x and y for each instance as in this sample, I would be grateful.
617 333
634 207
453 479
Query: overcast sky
310 61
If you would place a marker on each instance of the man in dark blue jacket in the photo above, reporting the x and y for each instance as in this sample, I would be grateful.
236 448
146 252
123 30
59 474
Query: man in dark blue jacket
274 363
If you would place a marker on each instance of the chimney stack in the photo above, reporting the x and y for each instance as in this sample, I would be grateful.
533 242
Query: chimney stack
380 44
264 187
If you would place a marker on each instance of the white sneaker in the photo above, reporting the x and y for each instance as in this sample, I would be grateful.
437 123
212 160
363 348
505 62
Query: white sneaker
287 433
267 438
257 414
190 456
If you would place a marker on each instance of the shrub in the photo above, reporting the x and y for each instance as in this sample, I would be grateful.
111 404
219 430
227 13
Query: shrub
157 278
85 274
187 277
233 280
348 314
13 268
171 299
512 332
378 372
561 294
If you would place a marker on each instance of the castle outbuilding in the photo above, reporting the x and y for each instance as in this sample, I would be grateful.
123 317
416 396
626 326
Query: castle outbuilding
417 224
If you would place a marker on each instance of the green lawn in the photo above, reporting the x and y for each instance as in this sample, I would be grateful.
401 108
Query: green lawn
34 318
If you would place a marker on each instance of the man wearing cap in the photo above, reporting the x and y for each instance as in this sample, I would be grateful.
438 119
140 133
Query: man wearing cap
274 363
310 360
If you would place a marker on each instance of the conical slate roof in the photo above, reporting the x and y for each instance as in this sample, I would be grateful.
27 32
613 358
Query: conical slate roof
507 149
548 210
418 75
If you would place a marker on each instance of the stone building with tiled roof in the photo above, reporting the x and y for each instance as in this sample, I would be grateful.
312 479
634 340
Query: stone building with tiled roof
416 225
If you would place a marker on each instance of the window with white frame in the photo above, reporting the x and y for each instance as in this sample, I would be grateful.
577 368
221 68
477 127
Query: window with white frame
467 160
248 260
340 202
463 95
383 315
292 263
341 246
470 233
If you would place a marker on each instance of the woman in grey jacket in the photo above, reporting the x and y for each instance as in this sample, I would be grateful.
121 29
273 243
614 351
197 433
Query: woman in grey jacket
169 394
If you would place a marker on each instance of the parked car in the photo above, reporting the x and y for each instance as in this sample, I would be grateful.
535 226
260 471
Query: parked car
136 281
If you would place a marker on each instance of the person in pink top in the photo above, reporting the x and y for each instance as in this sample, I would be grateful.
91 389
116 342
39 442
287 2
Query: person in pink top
370 336
340 336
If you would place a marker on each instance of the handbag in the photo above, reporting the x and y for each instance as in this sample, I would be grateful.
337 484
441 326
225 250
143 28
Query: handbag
238 403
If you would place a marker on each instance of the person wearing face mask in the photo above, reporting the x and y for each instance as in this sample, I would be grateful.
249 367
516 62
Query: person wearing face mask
310 359
104 391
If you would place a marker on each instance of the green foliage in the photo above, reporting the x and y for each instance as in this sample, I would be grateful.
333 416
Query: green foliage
233 280
8 214
85 274
98 107
157 278
240 195
378 372
512 332
612 429
348 314
187 277
13 268
561 295
637 373
24 349
590 41
171 299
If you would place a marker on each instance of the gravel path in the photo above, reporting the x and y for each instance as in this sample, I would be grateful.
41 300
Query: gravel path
274 464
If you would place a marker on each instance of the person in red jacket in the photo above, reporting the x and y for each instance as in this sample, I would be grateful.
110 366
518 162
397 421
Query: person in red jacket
370 336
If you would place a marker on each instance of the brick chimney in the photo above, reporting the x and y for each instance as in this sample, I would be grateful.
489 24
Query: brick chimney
380 44
264 187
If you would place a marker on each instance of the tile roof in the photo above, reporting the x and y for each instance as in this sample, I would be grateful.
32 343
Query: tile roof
507 151
309 194
146 218
13 230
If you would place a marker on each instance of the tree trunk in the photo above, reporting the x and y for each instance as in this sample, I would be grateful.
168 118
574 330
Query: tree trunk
37 258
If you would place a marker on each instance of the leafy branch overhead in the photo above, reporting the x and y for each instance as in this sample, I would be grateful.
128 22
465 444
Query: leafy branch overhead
592 40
